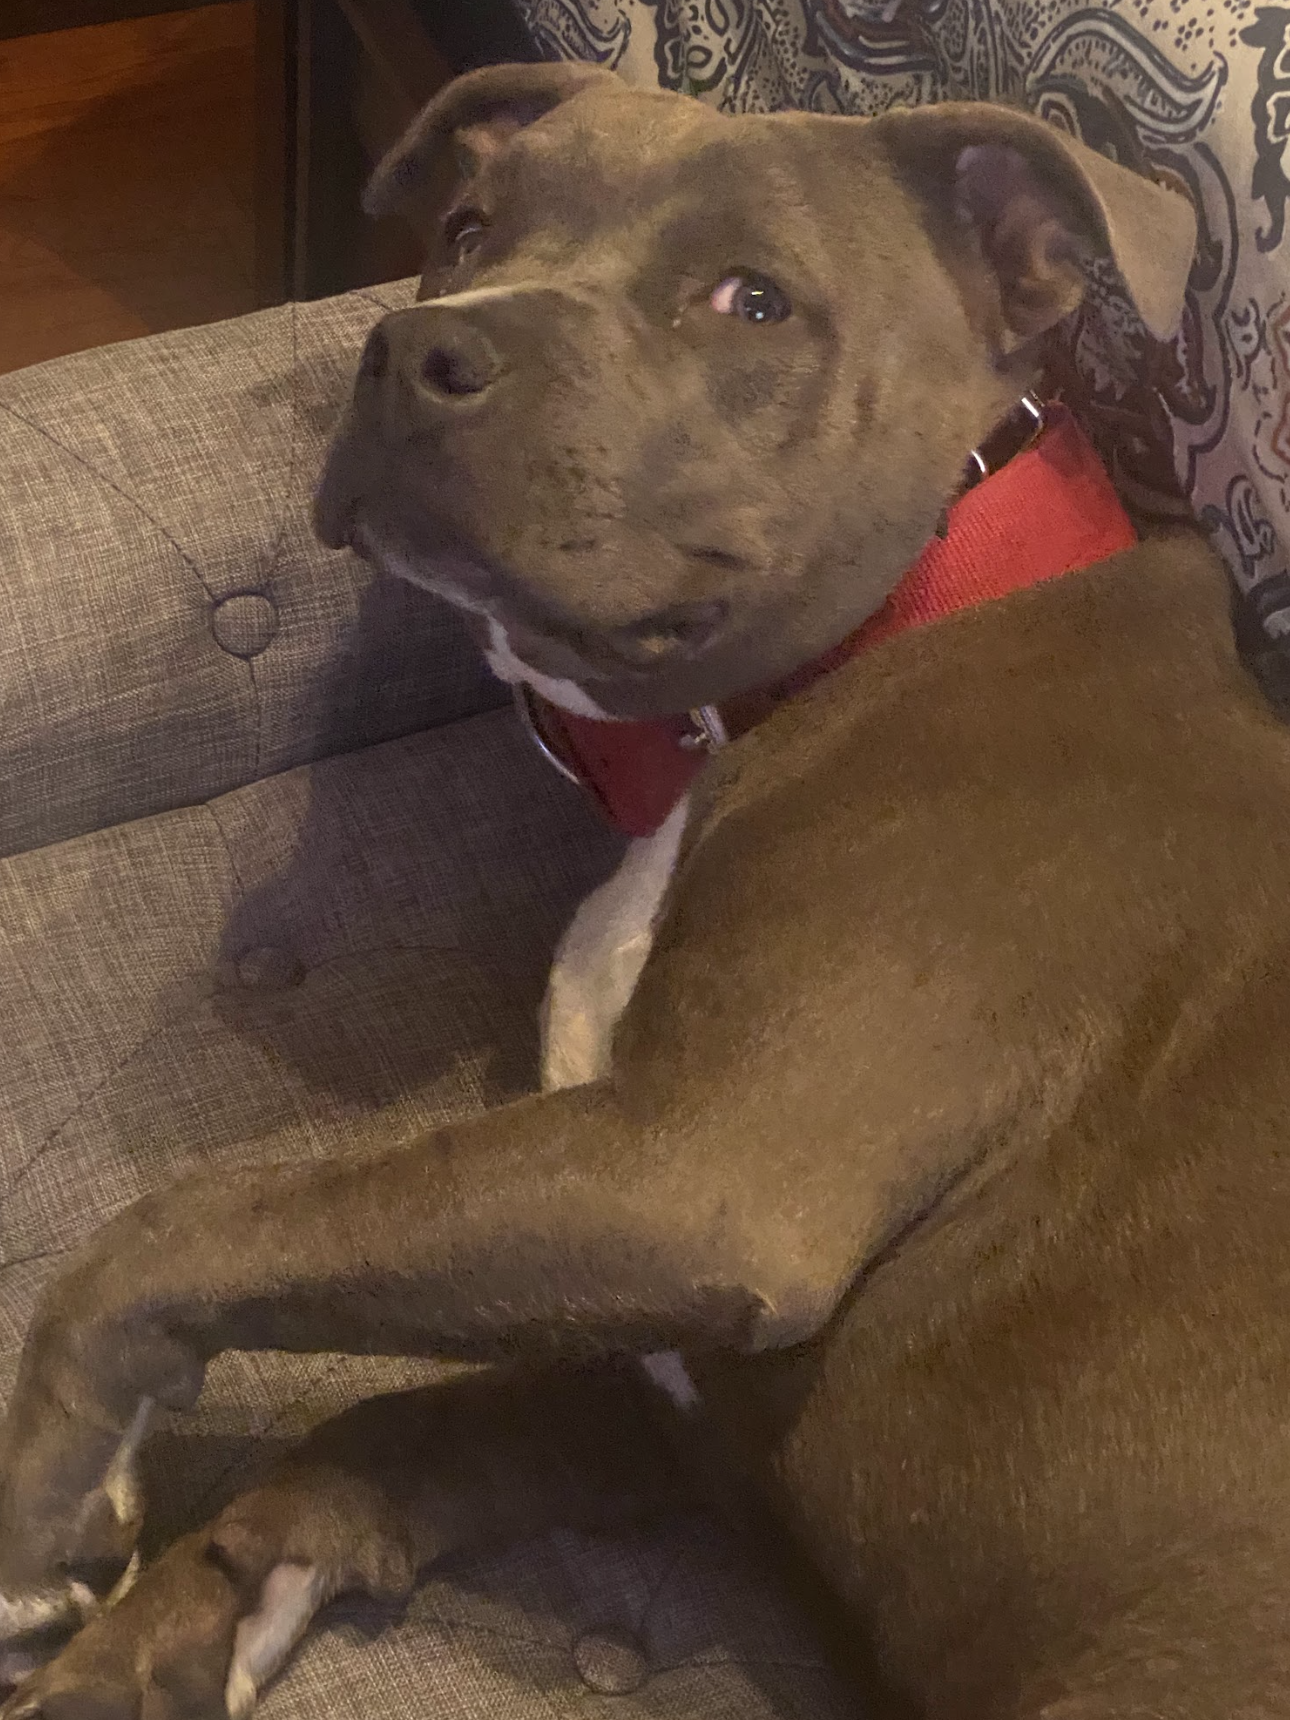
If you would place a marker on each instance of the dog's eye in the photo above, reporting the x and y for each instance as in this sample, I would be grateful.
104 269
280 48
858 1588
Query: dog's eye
751 298
463 232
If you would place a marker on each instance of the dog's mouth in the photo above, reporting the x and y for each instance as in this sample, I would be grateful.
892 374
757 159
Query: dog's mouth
604 667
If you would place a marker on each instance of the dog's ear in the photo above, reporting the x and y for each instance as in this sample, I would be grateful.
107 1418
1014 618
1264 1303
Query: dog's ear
469 120
1040 206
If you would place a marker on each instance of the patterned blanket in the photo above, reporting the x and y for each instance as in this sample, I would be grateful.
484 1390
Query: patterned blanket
1201 87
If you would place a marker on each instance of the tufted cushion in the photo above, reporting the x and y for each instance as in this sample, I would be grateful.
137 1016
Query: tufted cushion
169 627
308 965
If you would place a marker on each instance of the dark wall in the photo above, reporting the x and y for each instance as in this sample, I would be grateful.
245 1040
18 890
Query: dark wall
473 33
468 32
31 17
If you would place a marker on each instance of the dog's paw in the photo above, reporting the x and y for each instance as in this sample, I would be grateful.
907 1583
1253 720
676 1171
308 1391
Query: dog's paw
70 1514
89 1377
166 1649
63 1553
190 1641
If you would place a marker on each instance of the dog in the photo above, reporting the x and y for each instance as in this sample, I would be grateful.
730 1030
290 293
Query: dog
914 1093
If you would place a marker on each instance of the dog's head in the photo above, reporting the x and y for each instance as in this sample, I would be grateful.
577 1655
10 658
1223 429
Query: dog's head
685 394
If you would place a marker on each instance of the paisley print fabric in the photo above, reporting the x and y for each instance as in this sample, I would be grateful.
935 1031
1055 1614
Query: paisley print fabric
1200 88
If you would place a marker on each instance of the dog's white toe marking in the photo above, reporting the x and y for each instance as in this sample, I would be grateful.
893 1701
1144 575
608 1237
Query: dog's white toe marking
125 1582
291 1595
20 1614
121 1483
82 1598
44 1609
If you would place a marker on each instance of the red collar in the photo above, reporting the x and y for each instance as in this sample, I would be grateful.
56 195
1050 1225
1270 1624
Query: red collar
1049 510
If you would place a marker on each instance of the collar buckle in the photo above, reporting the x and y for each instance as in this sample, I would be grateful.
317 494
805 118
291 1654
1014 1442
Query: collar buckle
707 730
1022 427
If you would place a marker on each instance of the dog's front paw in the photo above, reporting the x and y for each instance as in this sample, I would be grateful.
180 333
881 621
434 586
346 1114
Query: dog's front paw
168 1650
70 1514
70 1506
203 1630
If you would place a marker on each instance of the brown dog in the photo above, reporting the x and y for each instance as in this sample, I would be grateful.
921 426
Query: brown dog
930 1096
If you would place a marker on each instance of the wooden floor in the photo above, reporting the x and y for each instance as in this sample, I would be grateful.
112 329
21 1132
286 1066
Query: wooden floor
125 179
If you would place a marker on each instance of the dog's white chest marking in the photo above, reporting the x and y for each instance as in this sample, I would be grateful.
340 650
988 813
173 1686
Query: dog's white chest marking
600 959
595 972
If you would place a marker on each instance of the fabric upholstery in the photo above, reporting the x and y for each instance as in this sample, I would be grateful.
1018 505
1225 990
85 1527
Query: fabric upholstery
226 960
349 950
169 627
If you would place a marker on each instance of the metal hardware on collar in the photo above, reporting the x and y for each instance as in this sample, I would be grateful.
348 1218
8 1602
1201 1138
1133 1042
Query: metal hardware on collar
524 697
709 730
1009 438
1048 509
1034 408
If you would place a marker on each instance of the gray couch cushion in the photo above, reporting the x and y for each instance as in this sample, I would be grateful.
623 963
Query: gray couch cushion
349 951
169 627
307 966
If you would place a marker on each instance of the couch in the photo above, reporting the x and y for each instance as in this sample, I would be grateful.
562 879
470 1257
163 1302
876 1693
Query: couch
280 875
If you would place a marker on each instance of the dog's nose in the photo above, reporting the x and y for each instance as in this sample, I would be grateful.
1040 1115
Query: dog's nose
440 353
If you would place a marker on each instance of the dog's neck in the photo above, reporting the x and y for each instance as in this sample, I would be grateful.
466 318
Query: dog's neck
1035 511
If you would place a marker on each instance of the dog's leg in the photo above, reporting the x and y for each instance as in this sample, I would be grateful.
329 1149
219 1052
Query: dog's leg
563 1225
719 1189
368 1500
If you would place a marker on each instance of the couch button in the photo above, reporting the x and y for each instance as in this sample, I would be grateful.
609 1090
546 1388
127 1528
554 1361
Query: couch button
268 969
610 1661
244 623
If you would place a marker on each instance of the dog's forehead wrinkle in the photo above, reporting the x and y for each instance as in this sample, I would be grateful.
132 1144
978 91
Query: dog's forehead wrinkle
587 175
577 170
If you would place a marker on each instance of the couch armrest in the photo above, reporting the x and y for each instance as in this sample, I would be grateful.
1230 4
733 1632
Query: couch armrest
169 627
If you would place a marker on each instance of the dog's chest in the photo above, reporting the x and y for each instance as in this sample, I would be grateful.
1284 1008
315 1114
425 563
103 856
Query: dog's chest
594 974
600 959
